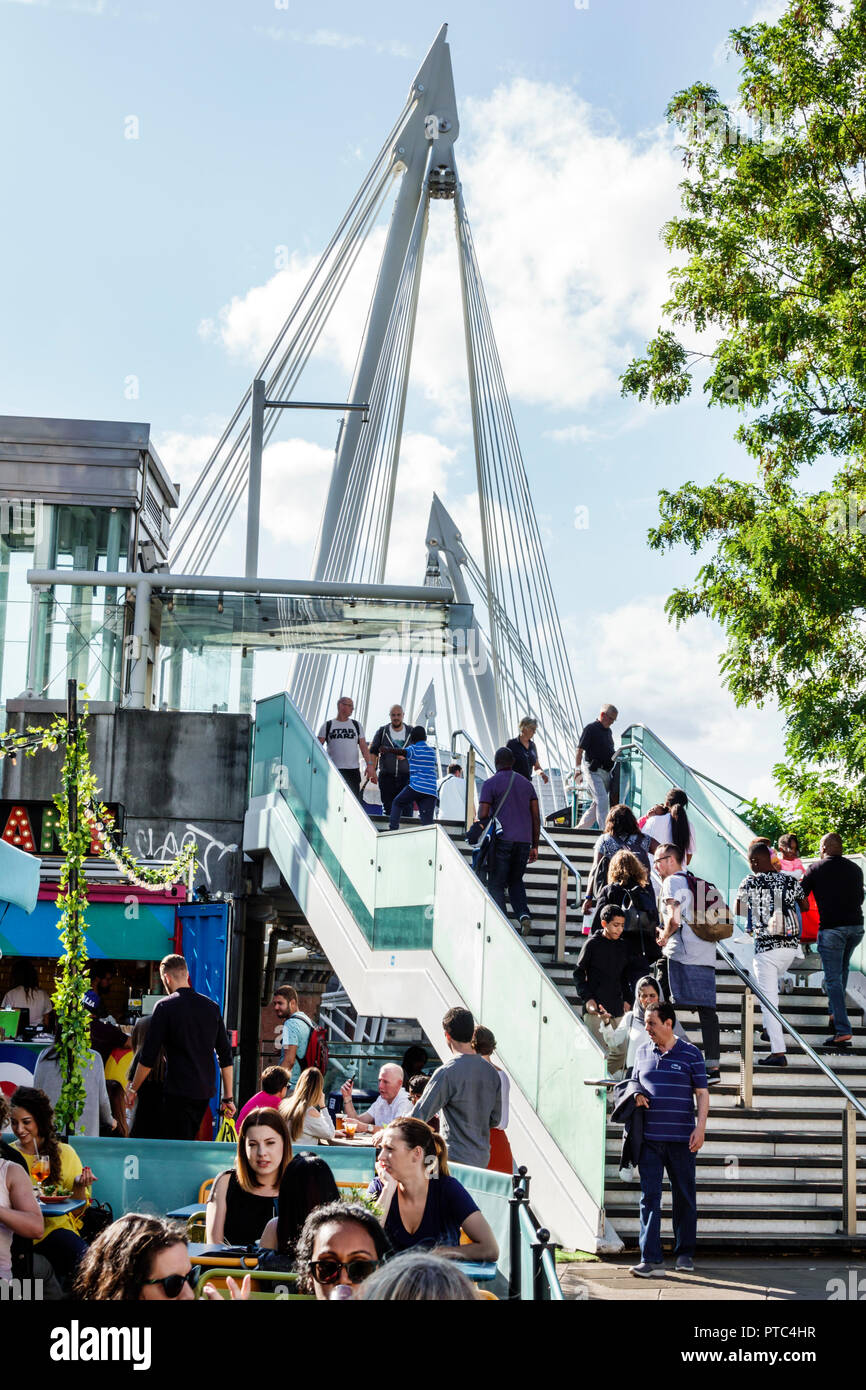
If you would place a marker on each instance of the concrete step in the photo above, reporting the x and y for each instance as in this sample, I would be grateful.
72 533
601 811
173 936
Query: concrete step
764 1176
757 1146
771 1097
784 1118
727 1195
800 1228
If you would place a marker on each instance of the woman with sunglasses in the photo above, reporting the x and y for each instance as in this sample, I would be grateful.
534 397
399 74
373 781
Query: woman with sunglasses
340 1246
137 1257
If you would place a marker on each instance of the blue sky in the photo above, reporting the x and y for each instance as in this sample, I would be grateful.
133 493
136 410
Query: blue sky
154 258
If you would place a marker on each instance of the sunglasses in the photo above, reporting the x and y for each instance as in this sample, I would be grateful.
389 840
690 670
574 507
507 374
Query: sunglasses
327 1271
172 1284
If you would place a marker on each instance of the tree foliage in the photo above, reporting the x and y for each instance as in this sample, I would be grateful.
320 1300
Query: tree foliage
772 281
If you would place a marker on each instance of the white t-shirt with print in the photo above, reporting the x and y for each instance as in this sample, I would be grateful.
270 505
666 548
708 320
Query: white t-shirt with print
342 741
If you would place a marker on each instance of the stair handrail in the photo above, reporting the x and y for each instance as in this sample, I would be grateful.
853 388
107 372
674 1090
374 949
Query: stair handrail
789 1028
548 839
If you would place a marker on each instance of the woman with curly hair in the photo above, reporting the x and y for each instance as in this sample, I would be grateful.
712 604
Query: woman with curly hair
33 1126
137 1257
341 1245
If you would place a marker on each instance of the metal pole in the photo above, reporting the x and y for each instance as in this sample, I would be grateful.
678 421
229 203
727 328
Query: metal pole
561 911
514 1267
747 1049
538 1247
215 584
849 1171
72 820
254 491
140 644
469 814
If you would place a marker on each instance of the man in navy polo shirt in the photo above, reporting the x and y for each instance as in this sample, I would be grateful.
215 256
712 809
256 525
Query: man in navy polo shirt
671 1075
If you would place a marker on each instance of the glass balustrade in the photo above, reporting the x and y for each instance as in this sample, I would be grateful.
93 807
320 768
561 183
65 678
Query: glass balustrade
649 771
414 891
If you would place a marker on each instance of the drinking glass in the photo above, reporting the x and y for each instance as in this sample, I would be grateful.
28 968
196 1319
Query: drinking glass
350 1126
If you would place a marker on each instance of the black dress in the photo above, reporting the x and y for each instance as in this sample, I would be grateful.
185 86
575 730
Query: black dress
246 1214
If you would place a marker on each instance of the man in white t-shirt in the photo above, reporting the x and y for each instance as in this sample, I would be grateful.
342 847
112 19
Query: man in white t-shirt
691 962
393 1100
452 794
344 739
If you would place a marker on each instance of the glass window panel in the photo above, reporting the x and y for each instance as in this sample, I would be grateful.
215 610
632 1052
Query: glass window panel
458 923
268 746
405 881
574 1114
510 997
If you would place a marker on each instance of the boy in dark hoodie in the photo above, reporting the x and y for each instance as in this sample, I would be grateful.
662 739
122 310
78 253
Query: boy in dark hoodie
601 977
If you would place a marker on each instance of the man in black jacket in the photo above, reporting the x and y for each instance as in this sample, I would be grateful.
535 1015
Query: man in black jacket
391 772
190 1028
837 883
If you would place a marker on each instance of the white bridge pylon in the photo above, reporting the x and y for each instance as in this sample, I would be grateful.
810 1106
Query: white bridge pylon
523 667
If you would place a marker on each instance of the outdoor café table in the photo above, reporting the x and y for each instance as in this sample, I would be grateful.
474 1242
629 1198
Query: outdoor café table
208 1254
181 1213
479 1271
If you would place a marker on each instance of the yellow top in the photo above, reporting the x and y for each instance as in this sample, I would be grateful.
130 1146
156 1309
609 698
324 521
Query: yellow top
70 1167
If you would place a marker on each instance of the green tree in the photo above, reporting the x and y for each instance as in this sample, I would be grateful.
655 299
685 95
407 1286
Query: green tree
772 281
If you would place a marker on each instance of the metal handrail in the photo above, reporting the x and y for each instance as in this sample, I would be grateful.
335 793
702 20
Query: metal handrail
789 1028
626 747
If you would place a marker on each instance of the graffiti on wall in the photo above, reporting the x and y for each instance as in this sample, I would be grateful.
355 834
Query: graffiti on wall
211 851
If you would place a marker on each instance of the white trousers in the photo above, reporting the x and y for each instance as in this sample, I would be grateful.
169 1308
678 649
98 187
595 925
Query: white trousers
767 967
596 812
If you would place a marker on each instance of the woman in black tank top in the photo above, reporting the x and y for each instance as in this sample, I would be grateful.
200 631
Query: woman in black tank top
244 1199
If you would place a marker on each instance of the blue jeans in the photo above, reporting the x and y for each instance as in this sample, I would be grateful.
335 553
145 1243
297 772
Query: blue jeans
426 806
507 865
836 947
655 1158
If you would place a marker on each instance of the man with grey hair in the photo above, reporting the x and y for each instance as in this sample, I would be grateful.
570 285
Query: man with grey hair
393 1101
596 745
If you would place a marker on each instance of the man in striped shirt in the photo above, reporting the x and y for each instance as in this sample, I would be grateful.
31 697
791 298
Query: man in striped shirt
423 774
671 1076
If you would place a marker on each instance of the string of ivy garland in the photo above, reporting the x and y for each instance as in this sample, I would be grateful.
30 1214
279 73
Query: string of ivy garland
72 981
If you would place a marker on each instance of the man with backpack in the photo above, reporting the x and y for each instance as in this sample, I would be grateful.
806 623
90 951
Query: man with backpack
690 960
302 1042
512 801
344 738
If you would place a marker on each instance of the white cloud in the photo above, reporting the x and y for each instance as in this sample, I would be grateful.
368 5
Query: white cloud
668 678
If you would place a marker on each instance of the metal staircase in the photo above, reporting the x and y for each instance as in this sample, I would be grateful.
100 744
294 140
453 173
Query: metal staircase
770 1175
